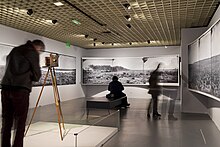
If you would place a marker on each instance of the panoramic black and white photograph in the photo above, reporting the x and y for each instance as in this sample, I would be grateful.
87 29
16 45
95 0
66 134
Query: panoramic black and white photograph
130 70
205 63
215 78
194 66
65 71
4 51
200 68
204 60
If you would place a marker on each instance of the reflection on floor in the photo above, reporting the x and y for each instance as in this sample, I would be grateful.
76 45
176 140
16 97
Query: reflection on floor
46 134
190 130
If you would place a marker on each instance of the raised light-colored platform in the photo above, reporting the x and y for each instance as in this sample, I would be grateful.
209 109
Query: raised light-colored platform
46 134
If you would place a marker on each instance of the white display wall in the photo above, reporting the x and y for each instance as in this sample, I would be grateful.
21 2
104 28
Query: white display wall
136 91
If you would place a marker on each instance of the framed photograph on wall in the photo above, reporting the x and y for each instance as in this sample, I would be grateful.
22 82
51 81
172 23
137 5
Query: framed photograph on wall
130 70
65 72
215 76
4 51
204 60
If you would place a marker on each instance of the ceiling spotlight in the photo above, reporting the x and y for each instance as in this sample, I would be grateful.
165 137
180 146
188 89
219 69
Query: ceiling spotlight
128 17
103 42
127 6
86 36
148 41
54 21
128 25
30 12
130 43
94 39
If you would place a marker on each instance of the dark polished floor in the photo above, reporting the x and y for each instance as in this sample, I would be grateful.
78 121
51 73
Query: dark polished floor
190 130
136 130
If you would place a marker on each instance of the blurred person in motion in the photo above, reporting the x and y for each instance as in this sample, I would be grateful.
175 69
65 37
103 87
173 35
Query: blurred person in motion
115 87
22 68
155 91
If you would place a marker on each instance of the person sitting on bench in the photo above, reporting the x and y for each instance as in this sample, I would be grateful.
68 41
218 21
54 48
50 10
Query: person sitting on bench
115 87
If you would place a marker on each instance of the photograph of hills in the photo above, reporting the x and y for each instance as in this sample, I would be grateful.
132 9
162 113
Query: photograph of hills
130 71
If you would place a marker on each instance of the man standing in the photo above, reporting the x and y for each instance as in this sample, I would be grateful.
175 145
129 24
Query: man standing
22 68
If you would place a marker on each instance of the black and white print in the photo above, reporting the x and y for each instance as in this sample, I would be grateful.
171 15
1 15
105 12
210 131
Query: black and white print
65 73
130 70
204 61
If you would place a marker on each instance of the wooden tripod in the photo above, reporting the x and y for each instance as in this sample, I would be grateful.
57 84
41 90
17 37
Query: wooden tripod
51 70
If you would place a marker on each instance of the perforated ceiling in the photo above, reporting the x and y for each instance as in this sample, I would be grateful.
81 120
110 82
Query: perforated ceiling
153 22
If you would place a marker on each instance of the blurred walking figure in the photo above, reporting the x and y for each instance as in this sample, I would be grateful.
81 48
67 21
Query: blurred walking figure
154 90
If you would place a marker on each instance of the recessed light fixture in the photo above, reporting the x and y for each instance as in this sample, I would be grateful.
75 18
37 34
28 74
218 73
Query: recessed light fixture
128 25
58 4
48 21
76 22
127 6
30 12
153 41
51 21
79 35
128 17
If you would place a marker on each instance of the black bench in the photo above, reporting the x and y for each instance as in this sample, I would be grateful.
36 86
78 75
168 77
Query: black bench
103 103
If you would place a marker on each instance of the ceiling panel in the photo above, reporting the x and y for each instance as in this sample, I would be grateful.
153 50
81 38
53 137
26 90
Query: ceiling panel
153 22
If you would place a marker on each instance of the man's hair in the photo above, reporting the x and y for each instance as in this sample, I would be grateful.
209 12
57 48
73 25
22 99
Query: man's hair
115 78
38 43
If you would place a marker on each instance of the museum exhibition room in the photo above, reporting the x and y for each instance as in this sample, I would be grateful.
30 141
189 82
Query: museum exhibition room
161 56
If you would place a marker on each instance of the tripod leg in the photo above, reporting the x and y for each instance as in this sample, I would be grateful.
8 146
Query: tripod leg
58 97
56 102
35 109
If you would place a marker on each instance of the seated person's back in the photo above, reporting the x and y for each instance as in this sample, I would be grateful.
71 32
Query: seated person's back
115 87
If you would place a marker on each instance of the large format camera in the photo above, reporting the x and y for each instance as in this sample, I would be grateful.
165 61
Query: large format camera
52 61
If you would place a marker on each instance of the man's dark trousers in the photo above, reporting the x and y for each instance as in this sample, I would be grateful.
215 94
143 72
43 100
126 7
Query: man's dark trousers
15 103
